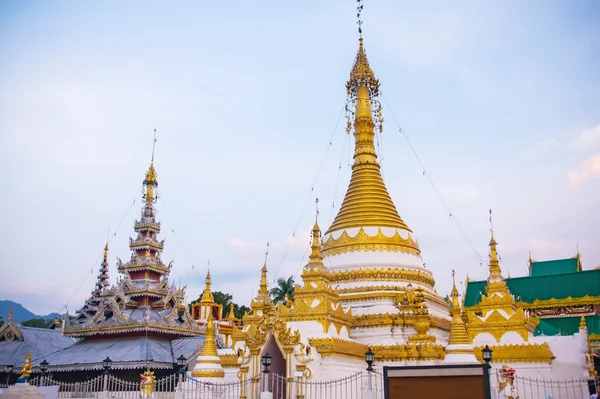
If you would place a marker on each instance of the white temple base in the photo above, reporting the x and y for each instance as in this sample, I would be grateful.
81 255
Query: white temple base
460 354
21 391
266 395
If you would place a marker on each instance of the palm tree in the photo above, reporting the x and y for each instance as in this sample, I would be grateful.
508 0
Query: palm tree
285 287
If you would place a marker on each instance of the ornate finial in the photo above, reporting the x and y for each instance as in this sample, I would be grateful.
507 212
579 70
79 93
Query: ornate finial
359 9
106 252
316 209
582 323
153 146
150 180
362 75
207 296
579 266
266 256
491 224
263 290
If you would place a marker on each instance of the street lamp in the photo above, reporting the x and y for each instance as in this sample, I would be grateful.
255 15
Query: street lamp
106 363
370 358
43 369
266 362
8 369
181 361
486 354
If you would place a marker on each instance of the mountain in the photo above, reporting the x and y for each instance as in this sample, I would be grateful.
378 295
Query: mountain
21 313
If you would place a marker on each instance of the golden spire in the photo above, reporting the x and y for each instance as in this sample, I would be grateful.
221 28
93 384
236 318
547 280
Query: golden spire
208 363
151 181
207 296
315 257
106 252
458 331
231 315
582 323
263 290
367 201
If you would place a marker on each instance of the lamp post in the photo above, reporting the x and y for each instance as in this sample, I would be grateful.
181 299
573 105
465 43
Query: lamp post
369 358
8 369
266 362
106 364
181 361
44 369
486 355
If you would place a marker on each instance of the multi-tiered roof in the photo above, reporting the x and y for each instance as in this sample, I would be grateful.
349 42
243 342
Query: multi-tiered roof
141 321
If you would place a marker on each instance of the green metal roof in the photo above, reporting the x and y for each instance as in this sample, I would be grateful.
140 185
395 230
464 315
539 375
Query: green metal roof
552 267
528 289
567 325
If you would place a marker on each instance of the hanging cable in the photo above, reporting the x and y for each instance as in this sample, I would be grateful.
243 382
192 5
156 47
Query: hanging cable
433 186
310 193
345 147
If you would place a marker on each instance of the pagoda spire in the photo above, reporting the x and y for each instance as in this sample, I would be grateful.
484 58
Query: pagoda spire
316 258
459 348
103 278
495 279
207 296
263 290
367 201
208 363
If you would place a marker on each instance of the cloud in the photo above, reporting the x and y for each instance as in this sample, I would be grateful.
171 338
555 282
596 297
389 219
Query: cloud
588 169
587 139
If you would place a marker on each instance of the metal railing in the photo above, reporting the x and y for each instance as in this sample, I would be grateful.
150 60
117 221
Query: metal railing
356 386
540 388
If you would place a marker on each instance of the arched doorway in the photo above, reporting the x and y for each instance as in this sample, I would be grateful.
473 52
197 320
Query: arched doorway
277 370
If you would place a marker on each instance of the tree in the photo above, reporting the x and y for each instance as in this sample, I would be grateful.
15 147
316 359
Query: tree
35 322
284 287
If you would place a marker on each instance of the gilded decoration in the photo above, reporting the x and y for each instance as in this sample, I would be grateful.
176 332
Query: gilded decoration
498 313
338 347
229 361
316 300
528 353
363 242
367 201
377 274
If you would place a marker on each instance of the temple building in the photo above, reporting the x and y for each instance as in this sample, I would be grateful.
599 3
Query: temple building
547 322
141 322
16 341
365 286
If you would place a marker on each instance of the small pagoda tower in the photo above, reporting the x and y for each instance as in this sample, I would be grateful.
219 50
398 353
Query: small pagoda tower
459 348
208 363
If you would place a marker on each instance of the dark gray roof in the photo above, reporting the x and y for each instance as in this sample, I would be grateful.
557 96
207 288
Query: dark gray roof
125 353
37 341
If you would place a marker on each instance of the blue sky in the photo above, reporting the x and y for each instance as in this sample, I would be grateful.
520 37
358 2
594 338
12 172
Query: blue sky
500 101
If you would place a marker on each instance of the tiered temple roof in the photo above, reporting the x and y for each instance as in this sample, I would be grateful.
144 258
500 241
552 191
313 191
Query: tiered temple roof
142 320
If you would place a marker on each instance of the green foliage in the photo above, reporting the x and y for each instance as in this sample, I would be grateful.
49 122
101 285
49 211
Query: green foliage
1 321
35 322
224 299
284 287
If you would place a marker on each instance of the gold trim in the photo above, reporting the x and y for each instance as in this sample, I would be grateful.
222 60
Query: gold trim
377 274
569 301
526 353
229 360
338 347
363 242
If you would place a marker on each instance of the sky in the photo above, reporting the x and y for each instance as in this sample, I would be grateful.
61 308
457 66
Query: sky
500 101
